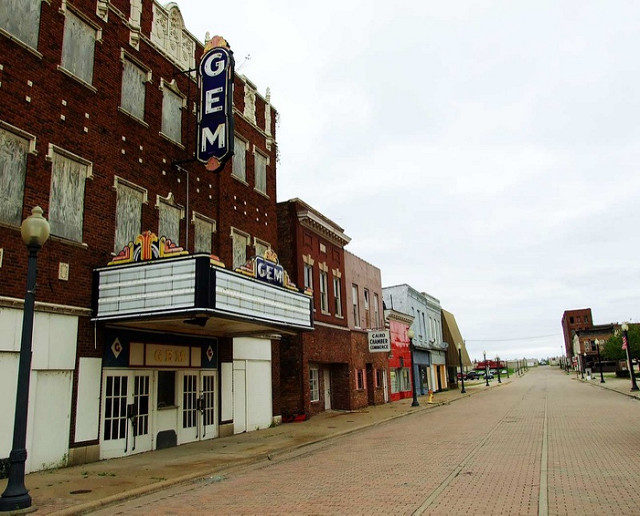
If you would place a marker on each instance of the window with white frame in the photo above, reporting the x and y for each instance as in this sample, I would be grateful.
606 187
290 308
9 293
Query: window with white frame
66 200
324 292
21 19
13 168
169 215
308 276
355 307
367 313
239 241
376 310
172 104
337 296
203 229
260 246
239 159
129 200
261 172
314 384
78 46
133 91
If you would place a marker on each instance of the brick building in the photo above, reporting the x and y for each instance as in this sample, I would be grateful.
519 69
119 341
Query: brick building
315 373
574 320
97 126
400 365
370 372
584 342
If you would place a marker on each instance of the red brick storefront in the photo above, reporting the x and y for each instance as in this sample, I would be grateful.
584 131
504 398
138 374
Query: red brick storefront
60 113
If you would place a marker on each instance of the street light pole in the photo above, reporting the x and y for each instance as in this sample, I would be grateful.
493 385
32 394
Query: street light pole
486 372
461 371
35 231
582 362
499 367
415 403
627 348
597 342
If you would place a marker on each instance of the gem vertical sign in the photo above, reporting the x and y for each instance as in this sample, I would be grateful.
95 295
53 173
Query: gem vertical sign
215 118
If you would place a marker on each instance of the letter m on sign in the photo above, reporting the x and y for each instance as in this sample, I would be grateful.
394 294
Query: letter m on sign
210 138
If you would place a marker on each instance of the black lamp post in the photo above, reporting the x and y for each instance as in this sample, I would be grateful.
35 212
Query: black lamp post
414 403
498 360
581 362
461 371
627 348
597 342
35 231
486 371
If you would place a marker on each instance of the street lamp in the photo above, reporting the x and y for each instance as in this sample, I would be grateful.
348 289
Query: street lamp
415 403
627 347
486 372
461 372
35 231
498 360
582 362
597 343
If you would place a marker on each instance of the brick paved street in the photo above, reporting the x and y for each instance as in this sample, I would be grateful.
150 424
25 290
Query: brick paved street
480 455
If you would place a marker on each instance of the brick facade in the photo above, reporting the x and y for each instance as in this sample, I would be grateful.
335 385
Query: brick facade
574 320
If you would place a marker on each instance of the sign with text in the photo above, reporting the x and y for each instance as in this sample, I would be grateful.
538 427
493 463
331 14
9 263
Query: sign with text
167 356
215 118
269 271
379 341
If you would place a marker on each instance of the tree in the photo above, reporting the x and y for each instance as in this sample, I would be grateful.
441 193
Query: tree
612 349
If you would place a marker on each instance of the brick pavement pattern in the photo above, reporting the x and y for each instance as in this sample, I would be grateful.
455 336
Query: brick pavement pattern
480 455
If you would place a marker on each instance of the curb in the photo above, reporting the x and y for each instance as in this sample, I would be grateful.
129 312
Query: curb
628 395
262 457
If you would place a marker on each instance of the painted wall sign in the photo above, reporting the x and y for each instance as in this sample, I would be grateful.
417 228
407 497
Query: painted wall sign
167 356
215 118
379 341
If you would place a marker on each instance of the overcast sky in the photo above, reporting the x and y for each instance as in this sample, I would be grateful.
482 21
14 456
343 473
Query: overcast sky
483 152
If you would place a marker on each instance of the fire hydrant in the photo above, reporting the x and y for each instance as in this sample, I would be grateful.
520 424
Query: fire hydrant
430 399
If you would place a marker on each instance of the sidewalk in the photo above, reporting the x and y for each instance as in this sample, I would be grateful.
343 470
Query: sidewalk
82 488
611 383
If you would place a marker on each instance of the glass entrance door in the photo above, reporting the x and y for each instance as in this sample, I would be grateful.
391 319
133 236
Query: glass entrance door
197 415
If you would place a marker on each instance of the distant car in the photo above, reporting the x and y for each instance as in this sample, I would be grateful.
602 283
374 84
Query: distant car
473 375
488 375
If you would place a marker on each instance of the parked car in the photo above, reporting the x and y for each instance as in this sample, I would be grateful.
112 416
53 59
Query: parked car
488 375
473 375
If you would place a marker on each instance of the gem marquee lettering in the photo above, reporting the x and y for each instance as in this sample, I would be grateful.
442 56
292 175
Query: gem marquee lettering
168 356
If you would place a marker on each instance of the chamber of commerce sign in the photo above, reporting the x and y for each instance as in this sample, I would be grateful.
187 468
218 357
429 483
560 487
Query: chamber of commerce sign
379 341
215 118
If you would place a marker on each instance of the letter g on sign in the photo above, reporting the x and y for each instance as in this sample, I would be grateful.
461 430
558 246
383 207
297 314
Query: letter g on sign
218 58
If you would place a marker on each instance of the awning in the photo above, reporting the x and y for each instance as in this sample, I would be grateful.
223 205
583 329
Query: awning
451 334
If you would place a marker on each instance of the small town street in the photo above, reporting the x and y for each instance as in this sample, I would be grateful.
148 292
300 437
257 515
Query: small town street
544 444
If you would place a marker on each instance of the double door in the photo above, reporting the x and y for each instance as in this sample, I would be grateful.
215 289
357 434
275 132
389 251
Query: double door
197 406
126 413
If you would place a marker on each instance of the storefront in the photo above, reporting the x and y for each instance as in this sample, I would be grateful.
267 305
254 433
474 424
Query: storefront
187 347
438 369
400 356
421 359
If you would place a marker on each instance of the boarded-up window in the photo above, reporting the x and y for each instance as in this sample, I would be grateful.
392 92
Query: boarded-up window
261 173
203 238
13 167
261 247
129 201
66 202
21 18
240 242
133 89
78 46
172 115
239 158
169 221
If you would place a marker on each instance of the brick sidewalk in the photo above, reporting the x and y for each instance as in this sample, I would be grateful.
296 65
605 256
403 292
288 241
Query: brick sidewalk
621 385
80 488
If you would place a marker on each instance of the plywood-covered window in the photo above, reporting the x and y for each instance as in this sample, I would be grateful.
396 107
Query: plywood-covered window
21 19
66 201
129 200
169 216
13 168
261 173
133 91
204 227
239 159
172 105
78 45
240 241
260 246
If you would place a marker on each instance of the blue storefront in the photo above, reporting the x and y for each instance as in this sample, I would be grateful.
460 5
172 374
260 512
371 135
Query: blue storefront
420 370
